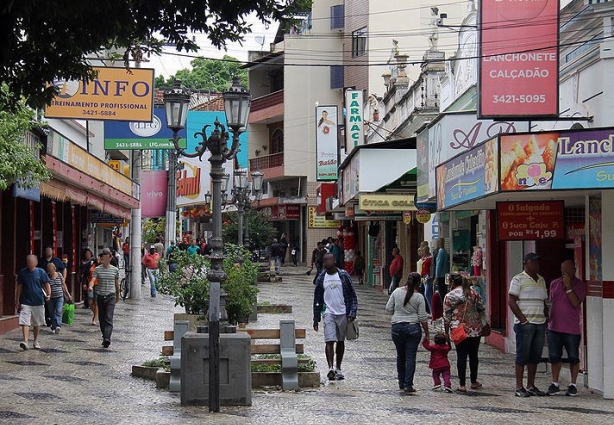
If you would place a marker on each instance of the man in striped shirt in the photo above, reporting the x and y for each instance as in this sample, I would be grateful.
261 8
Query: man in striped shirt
106 279
527 300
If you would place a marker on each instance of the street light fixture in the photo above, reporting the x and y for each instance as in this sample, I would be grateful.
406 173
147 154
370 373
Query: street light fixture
237 102
241 197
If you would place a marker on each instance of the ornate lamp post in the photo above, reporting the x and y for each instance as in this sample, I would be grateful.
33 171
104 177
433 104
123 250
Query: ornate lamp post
241 196
237 102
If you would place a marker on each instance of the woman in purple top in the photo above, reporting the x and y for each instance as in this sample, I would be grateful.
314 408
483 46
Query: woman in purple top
566 296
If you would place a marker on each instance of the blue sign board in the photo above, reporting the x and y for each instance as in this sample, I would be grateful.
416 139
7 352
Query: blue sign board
32 194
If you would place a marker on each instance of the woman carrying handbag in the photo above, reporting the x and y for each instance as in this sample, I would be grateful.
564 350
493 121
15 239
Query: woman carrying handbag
463 313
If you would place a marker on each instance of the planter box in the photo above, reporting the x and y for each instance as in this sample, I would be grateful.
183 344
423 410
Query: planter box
275 309
163 379
192 319
145 372
273 379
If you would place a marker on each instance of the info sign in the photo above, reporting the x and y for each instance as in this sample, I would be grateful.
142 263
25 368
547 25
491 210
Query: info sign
519 58
527 221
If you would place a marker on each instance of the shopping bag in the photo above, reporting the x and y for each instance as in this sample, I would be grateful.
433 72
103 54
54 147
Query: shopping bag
352 331
68 316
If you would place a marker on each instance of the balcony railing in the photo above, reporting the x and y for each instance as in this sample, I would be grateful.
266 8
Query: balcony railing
266 162
267 101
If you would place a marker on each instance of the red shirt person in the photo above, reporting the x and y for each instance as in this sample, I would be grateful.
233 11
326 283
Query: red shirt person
396 270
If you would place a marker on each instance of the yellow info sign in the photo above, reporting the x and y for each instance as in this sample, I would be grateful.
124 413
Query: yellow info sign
117 94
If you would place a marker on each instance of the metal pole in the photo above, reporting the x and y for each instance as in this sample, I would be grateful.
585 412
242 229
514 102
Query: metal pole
246 242
240 220
171 202
135 229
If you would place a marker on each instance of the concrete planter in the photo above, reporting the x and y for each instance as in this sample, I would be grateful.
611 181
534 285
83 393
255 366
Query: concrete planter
273 379
275 309
163 379
193 320
145 372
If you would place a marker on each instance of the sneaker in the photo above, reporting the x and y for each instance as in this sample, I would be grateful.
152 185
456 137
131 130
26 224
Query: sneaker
522 392
331 375
410 391
106 343
36 345
23 345
436 387
553 389
57 330
572 391
448 390
536 392
339 376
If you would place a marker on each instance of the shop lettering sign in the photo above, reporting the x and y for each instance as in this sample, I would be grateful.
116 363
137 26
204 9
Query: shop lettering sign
188 186
355 121
526 221
386 202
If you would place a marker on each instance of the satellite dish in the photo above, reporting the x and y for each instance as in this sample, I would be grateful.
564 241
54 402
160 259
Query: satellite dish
260 40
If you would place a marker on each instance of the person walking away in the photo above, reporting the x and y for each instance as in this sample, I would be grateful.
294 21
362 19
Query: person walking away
442 266
85 274
317 258
276 253
171 253
439 362
56 302
126 251
107 293
463 306
427 260
567 294
409 320
359 267
527 300
159 246
334 299
396 270
283 241
150 261
33 290
91 295
294 254
43 262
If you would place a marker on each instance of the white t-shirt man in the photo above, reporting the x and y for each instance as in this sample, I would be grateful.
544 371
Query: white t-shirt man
333 294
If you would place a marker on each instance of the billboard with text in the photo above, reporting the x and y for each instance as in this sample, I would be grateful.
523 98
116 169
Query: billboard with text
326 143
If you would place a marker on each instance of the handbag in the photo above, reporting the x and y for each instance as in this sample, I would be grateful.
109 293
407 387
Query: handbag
352 331
486 330
459 334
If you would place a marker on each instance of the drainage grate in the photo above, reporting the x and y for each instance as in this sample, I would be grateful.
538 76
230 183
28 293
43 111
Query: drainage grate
9 378
583 410
75 340
504 410
100 350
5 351
87 363
65 378
7 414
26 363
38 396
53 351
478 394
415 411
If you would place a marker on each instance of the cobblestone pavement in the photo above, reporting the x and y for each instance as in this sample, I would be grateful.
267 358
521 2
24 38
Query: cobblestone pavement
72 380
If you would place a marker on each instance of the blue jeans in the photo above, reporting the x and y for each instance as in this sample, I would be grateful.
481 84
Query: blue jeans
406 338
151 274
530 340
428 293
277 264
55 312
558 340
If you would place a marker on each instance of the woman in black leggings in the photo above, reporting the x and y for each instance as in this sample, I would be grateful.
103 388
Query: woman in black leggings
463 307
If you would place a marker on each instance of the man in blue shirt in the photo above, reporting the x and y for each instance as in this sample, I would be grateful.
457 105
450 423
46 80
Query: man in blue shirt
33 290
442 267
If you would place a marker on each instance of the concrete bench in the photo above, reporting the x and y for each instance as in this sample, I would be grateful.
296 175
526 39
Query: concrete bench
174 351
287 349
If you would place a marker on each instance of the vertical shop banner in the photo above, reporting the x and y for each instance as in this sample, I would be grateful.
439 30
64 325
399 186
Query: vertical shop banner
594 238
469 176
141 135
519 58
326 143
422 175
527 161
154 193
116 94
585 160
354 125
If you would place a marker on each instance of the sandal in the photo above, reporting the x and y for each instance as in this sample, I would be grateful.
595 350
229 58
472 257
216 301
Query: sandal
461 390
476 385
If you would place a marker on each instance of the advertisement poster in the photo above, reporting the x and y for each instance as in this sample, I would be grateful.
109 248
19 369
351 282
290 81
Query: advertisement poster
116 94
527 221
469 176
326 143
528 161
594 239
154 193
585 160
141 135
519 58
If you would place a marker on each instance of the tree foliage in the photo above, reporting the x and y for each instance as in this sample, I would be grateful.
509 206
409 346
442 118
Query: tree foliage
17 160
207 74
152 228
261 232
46 41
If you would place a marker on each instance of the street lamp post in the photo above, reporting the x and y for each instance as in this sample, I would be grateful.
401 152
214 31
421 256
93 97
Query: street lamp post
236 104
241 197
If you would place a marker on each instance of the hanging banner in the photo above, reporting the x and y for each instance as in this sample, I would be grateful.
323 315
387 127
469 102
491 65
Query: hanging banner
154 193
326 143
141 135
117 94
519 59
354 124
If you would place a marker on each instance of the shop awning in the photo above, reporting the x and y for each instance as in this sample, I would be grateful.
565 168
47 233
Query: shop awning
54 190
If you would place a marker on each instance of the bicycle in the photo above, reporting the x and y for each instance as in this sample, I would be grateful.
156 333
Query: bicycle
124 286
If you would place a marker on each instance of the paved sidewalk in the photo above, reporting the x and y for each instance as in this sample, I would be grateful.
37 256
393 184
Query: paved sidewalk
75 381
